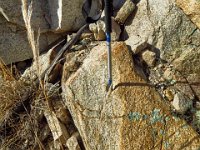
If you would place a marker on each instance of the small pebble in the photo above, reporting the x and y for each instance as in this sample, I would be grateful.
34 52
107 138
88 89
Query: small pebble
181 103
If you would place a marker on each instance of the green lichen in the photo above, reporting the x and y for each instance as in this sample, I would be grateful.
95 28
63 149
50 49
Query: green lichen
144 117
134 116
156 116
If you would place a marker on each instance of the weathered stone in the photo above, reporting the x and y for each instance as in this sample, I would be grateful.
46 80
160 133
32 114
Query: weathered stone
66 15
149 58
192 9
132 116
164 26
54 145
63 115
116 31
45 60
188 62
138 46
54 15
99 30
15 47
73 61
58 130
168 74
87 36
194 81
57 14
72 142
125 11
181 103
175 81
196 120
12 12
188 65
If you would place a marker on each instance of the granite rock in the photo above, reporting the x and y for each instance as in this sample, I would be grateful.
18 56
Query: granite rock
164 27
192 9
131 116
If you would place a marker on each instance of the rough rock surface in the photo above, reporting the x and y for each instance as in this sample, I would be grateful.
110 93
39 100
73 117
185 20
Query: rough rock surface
72 18
45 60
188 62
164 26
56 16
72 142
132 116
192 9
181 103
11 11
125 11
149 58
14 45
99 30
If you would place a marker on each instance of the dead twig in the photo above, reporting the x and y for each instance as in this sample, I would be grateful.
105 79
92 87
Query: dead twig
66 47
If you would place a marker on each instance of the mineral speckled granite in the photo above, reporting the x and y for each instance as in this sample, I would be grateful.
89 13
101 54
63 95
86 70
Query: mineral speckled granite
132 116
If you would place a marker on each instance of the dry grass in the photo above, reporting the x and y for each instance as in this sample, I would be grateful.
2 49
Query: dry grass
12 92
13 127
8 91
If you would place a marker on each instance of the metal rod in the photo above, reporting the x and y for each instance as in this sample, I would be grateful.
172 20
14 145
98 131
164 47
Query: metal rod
108 12
108 38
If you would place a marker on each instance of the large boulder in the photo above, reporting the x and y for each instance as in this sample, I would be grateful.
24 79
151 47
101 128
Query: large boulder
14 45
71 18
164 27
56 14
50 16
132 116
11 10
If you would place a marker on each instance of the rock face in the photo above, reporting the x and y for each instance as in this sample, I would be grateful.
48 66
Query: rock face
164 26
49 16
192 9
59 15
45 60
14 45
188 58
132 116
